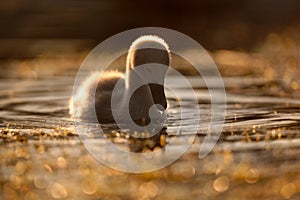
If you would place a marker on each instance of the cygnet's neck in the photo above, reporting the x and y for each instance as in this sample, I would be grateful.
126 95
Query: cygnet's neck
147 50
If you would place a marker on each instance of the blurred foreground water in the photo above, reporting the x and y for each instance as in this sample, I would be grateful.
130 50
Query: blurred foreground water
256 157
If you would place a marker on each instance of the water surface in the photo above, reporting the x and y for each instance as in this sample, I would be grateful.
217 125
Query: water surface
257 155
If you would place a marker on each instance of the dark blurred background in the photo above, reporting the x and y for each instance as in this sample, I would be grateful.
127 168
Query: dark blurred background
63 31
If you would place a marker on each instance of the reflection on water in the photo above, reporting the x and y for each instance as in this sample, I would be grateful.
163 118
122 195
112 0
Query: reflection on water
257 156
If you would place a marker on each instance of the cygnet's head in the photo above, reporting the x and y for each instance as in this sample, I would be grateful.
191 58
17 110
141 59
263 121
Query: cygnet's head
149 49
